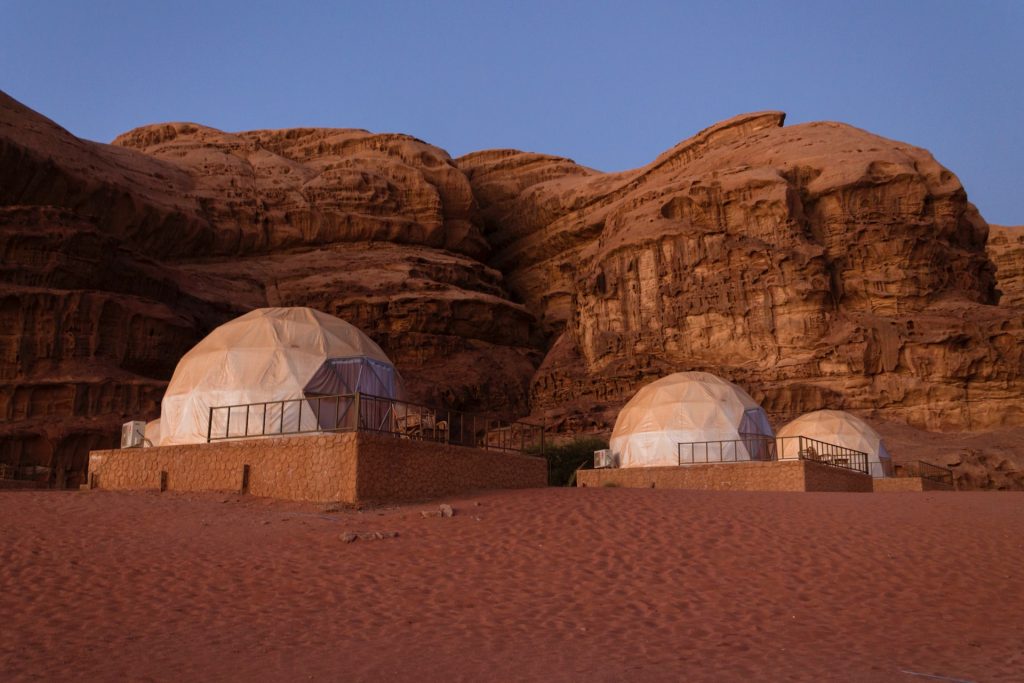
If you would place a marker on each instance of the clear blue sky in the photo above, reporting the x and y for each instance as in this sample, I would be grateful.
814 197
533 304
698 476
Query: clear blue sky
608 84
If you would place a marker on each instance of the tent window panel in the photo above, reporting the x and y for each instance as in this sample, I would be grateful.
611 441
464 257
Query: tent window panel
349 375
345 377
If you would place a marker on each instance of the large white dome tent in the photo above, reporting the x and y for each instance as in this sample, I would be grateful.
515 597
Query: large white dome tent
715 419
842 429
267 355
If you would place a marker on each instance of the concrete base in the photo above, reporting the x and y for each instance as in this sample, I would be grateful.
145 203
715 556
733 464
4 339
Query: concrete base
903 484
344 467
781 475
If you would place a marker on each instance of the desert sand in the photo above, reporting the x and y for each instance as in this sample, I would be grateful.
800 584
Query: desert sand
556 584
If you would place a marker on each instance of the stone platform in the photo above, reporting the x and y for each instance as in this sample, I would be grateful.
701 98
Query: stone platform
779 475
350 467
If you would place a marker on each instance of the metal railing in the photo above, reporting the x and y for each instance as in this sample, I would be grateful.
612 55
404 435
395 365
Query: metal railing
925 470
806 448
757 447
747 447
365 412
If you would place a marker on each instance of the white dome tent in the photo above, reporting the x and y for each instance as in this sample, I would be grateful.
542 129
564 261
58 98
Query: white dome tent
267 355
716 421
842 429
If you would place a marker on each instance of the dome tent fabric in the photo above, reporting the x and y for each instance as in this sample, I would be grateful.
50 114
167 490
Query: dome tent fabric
842 429
690 408
271 354
152 432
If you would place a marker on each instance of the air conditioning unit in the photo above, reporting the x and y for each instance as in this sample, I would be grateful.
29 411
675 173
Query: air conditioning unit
603 458
133 434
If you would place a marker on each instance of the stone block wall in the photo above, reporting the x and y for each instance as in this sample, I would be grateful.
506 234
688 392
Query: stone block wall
313 468
392 469
902 484
783 475
819 477
346 467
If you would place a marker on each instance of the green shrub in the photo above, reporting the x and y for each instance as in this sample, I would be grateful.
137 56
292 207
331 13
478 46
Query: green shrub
564 459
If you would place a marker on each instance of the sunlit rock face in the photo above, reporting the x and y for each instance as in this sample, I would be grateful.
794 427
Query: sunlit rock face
817 265
118 258
1006 249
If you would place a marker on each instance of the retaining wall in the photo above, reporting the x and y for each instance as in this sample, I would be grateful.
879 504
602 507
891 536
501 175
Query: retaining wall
901 484
781 475
350 467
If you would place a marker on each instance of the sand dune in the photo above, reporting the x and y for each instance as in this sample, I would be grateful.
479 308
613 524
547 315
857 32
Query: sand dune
595 584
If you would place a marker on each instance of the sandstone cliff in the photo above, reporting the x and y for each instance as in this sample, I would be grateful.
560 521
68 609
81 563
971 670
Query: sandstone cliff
1006 250
818 265
118 258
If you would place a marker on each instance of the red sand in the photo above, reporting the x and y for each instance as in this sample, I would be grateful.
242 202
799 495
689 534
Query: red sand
596 584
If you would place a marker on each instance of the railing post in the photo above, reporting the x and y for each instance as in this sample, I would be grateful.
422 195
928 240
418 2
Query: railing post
358 409
209 425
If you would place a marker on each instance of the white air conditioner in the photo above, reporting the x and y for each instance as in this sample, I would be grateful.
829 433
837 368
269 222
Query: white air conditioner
603 458
133 434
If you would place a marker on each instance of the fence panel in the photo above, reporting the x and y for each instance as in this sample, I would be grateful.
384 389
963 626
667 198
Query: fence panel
365 412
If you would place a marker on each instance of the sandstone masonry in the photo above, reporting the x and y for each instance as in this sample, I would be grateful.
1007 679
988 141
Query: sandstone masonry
781 475
348 468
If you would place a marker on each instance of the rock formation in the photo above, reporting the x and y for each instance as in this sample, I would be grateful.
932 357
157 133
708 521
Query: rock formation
1006 250
818 265
118 258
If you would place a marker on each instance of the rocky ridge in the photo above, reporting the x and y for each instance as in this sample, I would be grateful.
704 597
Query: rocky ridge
818 265
118 258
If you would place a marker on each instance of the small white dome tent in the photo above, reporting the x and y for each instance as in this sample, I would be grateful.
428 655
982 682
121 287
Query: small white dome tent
717 420
267 355
842 429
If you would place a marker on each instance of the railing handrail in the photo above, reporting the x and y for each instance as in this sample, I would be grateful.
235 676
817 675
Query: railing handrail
827 453
937 473
359 411
729 454
774 448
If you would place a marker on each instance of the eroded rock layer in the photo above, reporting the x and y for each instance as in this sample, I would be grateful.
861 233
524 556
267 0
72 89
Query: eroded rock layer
1006 249
118 258
818 265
